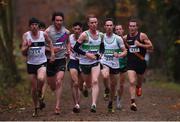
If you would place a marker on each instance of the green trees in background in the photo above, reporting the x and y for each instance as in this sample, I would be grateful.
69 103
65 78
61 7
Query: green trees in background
8 69
161 21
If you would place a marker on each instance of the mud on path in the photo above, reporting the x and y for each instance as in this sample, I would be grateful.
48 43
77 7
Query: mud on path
156 104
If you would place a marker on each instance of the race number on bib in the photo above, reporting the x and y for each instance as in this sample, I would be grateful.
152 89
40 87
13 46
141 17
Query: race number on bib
60 45
93 51
109 57
35 51
134 49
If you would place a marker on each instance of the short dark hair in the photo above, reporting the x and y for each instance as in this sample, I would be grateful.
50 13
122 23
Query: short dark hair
77 24
108 19
134 20
33 20
42 24
57 14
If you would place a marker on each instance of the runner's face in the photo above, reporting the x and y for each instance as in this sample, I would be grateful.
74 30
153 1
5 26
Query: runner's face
34 27
58 22
109 26
119 30
133 27
77 30
93 23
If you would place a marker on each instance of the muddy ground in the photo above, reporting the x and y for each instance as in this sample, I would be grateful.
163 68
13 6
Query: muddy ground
156 104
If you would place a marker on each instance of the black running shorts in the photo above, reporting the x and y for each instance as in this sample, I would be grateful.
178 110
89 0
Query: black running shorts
32 69
56 66
139 66
86 69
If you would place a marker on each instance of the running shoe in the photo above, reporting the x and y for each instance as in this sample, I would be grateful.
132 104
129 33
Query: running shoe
138 91
93 108
106 94
118 103
35 113
110 107
133 107
76 108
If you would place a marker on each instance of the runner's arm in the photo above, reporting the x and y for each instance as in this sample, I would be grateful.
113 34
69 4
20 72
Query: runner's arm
102 49
24 45
147 43
79 43
122 46
123 53
68 46
49 42
47 46
125 41
68 42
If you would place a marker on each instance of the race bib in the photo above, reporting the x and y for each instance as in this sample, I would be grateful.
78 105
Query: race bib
92 51
35 51
108 57
60 45
134 49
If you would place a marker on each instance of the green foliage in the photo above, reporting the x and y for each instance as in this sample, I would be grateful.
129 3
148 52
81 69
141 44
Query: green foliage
161 21
166 85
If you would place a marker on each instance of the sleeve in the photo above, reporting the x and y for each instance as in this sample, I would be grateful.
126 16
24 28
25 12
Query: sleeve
77 49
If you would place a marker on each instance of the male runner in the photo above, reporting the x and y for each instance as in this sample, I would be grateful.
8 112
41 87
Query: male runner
56 70
123 69
110 59
137 44
88 45
73 66
33 47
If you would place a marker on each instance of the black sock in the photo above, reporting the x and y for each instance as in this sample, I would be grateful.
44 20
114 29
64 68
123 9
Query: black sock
107 90
132 100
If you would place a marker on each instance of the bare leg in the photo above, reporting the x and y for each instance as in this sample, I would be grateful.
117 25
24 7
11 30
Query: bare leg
113 83
75 86
95 71
33 79
140 79
41 76
105 74
132 78
59 83
52 82
121 85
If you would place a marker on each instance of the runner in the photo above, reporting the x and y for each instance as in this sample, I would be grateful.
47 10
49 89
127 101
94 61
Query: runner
73 66
110 59
55 71
137 43
88 45
33 47
123 68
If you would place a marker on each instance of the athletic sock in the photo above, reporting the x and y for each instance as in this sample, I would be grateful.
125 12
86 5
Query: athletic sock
132 100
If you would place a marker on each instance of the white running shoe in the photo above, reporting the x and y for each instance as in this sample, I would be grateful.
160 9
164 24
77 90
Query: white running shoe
76 108
118 103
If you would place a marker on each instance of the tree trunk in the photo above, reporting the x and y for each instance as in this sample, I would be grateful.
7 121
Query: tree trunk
8 68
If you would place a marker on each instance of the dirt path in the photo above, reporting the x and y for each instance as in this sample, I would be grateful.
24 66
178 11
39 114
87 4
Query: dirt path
155 105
